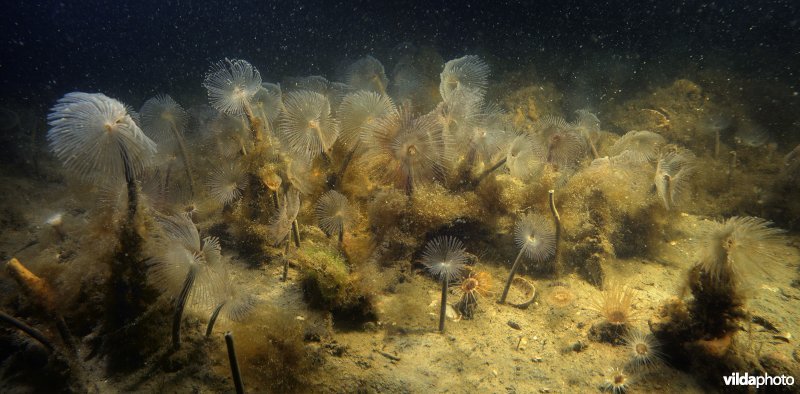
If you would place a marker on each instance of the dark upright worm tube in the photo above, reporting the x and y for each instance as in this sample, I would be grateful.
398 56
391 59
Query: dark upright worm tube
511 274
32 332
557 220
443 309
237 377
213 319
179 307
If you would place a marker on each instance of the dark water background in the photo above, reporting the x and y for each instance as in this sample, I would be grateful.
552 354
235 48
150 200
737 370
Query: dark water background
133 50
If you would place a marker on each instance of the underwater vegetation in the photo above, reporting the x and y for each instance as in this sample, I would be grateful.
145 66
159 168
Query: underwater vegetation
288 213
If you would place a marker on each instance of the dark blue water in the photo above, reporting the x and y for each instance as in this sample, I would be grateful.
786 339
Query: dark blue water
133 49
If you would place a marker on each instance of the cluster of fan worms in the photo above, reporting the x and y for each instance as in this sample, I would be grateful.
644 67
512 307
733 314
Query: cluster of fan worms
263 148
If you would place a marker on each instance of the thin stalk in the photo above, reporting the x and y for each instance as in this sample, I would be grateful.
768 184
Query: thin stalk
716 144
443 308
557 220
667 191
296 233
275 199
381 88
242 147
593 147
66 335
326 158
731 166
164 187
410 181
490 170
511 274
180 306
133 196
255 123
341 237
346 162
237 376
184 157
32 332
286 261
213 318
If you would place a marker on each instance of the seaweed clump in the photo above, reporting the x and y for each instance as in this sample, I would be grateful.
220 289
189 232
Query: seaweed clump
329 284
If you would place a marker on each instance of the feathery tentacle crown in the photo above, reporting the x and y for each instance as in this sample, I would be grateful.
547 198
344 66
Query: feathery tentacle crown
367 73
742 250
524 158
465 73
226 183
406 151
96 139
672 177
444 257
239 302
231 85
563 146
536 237
306 124
334 213
181 251
642 145
644 348
357 111
163 119
616 305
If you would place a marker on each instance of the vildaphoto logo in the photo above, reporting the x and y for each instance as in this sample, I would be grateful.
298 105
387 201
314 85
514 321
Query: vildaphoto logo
737 379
